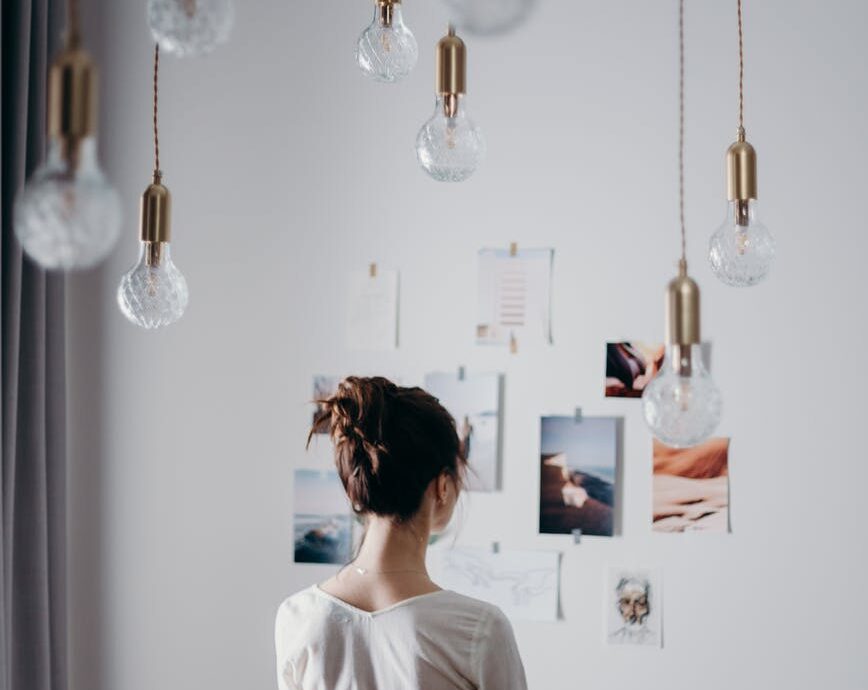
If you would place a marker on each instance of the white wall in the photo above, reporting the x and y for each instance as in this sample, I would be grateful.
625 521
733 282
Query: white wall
288 169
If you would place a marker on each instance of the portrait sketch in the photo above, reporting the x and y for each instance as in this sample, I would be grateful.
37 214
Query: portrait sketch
633 608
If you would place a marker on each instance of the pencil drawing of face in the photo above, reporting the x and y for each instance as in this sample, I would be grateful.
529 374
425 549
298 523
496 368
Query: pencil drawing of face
634 607
633 601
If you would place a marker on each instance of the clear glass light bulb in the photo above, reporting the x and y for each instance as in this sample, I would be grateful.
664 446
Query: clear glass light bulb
450 148
153 293
489 16
68 215
742 249
190 27
682 410
387 50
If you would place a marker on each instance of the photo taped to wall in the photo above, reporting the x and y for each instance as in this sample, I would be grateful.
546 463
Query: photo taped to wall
577 475
634 607
372 310
691 487
323 522
324 387
474 401
514 293
630 366
524 584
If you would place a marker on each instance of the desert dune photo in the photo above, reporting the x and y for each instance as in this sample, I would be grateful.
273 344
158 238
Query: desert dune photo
691 487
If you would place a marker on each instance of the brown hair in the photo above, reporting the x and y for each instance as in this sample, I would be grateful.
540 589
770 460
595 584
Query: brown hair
390 442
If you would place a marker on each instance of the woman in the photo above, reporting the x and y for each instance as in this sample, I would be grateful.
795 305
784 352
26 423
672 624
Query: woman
381 623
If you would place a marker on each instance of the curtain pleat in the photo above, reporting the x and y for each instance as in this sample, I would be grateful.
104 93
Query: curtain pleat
32 379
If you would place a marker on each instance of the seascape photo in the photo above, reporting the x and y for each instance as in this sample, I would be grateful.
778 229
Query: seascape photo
577 475
322 524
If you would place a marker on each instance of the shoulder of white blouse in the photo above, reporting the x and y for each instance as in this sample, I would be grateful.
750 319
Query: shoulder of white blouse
480 636
289 609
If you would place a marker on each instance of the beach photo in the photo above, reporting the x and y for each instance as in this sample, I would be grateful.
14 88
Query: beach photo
473 400
577 475
630 366
322 523
691 487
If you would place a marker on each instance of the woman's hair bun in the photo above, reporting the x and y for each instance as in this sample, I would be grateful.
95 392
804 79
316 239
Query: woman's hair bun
390 442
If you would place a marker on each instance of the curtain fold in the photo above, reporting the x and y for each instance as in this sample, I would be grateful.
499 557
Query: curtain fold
32 381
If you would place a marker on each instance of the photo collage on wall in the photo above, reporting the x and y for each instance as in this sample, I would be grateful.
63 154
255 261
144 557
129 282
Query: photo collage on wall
580 463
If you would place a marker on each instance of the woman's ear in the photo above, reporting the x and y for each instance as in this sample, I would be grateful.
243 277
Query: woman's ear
442 486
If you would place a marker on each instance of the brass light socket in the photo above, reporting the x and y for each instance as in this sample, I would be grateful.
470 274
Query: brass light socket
451 74
156 209
386 9
741 171
682 310
72 94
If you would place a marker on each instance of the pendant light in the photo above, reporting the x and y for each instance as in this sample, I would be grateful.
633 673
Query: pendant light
68 215
682 404
153 292
449 146
387 50
742 249
190 27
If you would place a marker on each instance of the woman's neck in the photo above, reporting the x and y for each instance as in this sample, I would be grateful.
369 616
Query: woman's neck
390 566
391 547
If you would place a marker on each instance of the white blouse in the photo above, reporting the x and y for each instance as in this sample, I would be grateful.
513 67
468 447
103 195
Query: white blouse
436 641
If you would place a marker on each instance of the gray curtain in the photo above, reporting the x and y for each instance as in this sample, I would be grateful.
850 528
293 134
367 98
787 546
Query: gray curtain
33 462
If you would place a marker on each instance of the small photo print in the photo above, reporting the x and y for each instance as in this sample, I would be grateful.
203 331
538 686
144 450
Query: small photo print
514 297
630 366
634 607
474 401
324 387
372 310
691 487
577 475
323 523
